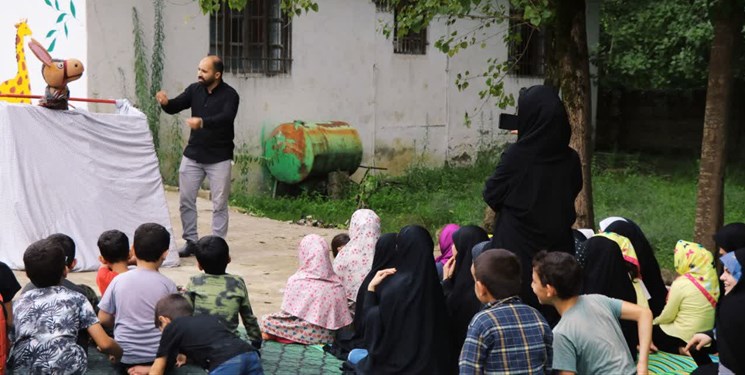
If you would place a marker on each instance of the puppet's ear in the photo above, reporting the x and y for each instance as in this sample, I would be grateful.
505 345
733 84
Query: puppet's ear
40 52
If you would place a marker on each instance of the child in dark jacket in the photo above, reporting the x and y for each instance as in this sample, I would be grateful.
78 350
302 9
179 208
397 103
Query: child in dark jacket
205 339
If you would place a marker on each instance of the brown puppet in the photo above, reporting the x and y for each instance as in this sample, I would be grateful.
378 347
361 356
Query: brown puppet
57 74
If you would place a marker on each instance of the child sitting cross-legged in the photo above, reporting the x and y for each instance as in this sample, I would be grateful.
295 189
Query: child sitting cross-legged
218 293
47 319
129 302
203 339
67 244
338 243
506 336
588 338
115 254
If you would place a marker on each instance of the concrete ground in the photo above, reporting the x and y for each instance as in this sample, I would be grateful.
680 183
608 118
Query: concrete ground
263 252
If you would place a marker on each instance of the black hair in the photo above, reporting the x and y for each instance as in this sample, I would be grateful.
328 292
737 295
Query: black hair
218 65
172 306
338 241
44 261
67 244
213 254
114 246
561 271
151 241
499 271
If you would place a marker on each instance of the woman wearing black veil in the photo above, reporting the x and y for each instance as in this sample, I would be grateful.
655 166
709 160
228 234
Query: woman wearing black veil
535 184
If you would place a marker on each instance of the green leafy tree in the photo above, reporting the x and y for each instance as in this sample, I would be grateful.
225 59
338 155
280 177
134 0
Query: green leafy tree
661 44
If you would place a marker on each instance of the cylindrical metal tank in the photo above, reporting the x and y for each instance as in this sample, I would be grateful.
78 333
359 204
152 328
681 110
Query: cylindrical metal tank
296 151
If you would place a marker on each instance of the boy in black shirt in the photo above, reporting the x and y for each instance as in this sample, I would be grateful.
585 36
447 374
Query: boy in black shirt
205 339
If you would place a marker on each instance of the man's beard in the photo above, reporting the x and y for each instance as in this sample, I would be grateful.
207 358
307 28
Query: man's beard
206 82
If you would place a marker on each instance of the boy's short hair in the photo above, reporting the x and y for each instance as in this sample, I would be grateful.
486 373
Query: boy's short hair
172 306
44 261
338 241
559 270
67 244
499 271
114 246
151 241
213 254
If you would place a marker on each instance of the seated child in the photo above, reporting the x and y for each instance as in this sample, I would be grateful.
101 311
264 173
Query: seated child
68 245
445 237
507 335
588 338
114 248
218 293
338 243
692 299
9 286
47 319
203 339
314 305
129 302
730 238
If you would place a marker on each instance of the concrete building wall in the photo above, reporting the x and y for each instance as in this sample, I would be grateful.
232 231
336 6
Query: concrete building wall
406 108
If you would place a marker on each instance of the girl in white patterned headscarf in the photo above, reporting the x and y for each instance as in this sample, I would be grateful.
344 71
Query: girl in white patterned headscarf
355 260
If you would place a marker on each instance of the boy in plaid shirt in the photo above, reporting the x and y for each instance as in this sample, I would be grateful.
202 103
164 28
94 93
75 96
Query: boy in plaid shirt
506 336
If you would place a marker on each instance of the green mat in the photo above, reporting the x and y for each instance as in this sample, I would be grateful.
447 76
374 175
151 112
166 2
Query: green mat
279 358
666 363
276 358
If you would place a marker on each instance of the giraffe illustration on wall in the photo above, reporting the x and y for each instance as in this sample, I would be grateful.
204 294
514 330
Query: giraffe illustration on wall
19 84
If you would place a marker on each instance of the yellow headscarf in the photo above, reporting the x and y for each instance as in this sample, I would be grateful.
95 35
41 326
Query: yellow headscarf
629 254
695 262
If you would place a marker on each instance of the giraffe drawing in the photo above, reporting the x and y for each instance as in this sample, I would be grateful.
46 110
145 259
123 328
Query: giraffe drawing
20 83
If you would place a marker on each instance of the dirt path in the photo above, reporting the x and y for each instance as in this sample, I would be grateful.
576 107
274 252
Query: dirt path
263 252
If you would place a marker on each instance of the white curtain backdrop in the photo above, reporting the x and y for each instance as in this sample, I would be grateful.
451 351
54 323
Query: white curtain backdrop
76 173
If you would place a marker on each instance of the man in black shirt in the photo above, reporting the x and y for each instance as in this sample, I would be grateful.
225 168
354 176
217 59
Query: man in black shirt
214 105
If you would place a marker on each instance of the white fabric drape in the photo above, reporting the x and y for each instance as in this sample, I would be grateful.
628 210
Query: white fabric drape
77 173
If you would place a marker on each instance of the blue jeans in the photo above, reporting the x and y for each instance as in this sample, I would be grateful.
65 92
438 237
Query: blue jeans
356 355
242 364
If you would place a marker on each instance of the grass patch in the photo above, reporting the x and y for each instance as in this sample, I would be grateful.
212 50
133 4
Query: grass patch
659 193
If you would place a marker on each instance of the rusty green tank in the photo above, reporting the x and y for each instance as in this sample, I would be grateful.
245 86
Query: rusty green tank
298 150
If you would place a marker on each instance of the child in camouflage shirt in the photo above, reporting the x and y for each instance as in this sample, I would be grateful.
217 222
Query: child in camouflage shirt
218 293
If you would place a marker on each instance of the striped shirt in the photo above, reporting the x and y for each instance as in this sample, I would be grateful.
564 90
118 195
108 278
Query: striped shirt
507 337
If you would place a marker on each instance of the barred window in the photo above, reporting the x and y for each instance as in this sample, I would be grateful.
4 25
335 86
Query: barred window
526 48
255 40
413 43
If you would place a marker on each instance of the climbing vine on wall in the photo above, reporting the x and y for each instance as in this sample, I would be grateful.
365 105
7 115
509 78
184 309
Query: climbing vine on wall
148 80
62 18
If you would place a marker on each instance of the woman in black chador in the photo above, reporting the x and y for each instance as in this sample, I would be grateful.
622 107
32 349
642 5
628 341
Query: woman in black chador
535 184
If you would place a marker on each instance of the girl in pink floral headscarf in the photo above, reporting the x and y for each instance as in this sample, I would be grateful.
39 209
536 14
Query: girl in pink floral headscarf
354 262
314 305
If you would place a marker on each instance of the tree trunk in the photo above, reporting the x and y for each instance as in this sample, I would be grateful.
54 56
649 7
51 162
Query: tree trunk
727 18
572 72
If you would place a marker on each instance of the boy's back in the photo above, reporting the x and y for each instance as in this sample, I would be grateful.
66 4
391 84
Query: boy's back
131 297
507 336
47 321
224 296
599 350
